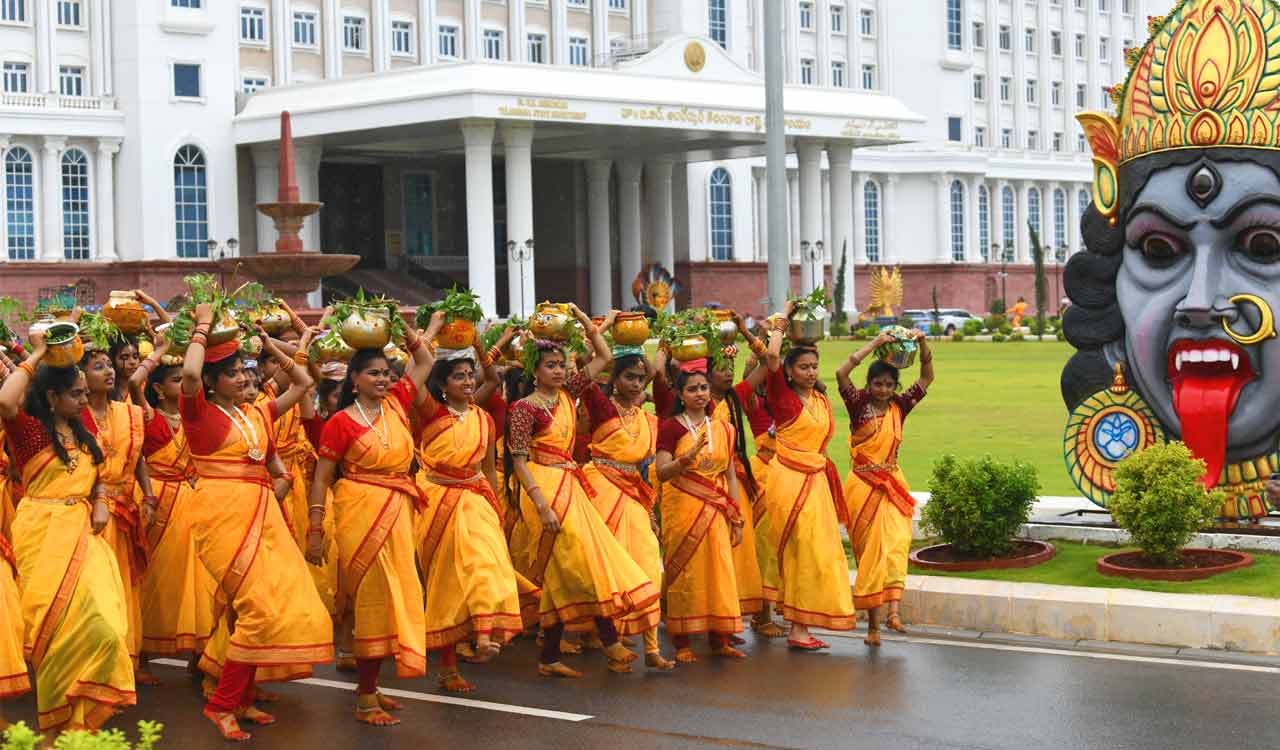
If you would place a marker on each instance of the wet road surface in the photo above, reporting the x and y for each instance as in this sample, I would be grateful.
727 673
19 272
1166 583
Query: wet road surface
910 694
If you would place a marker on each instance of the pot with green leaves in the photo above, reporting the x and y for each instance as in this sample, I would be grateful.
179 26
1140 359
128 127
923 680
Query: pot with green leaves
551 320
901 352
124 310
42 323
694 347
10 312
462 311
274 319
366 328
225 327
64 346
331 348
808 322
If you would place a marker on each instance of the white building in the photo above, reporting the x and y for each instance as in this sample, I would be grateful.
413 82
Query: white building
444 135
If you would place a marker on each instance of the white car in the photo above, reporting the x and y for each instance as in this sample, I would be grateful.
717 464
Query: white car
951 319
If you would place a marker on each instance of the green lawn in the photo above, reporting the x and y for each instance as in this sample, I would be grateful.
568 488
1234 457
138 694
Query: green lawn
1075 565
1001 399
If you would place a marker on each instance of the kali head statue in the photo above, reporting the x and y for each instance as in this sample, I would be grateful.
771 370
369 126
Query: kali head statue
1182 269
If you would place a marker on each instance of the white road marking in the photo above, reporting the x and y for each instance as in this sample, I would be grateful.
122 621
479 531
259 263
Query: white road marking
427 697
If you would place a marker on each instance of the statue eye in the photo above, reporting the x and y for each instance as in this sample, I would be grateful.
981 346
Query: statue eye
1160 248
1261 245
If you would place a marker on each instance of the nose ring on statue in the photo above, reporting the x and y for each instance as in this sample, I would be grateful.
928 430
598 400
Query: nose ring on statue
1266 329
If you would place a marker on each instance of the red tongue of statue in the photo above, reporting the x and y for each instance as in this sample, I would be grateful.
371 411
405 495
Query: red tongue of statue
1204 403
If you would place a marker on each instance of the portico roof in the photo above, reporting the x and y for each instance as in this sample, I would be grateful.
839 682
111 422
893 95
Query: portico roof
687 100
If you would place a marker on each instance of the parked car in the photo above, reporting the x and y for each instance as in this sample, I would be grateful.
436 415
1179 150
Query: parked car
951 319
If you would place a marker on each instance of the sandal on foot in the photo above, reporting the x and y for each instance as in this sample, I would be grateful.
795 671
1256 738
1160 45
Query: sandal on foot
686 656
388 704
619 652
728 651
255 716
368 711
627 641
811 644
557 669
227 725
569 648
895 623
592 641
655 660
454 682
768 629
483 654
873 637
464 650
619 667
265 696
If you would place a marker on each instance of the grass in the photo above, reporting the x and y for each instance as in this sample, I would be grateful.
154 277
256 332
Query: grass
1076 565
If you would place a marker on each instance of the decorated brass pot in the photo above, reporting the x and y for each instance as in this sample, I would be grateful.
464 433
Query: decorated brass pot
901 353
251 346
459 334
630 329
513 353
807 325
396 354
331 349
367 328
145 348
551 320
275 320
225 328
124 309
69 348
727 328
694 347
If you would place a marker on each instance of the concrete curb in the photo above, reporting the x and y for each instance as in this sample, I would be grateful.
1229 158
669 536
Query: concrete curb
1081 614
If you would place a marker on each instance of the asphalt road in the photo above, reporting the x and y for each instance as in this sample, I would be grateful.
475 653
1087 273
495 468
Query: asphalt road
910 694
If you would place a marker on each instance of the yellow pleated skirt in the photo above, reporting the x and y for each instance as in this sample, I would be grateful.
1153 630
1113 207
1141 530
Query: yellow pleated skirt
13 667
629 522
703 596
176 593
814 571
881 551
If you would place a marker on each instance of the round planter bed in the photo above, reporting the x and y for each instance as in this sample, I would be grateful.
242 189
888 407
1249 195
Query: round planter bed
943 557
1197 564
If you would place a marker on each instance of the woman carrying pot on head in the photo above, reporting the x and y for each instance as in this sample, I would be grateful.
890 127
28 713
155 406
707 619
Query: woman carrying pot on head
470 584
240 534
72 594
803 496
701 518
371 440
879 502
584 573
13 667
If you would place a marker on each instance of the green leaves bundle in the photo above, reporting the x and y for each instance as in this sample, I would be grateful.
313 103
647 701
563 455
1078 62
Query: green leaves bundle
459 304
10 310
692 323
495 331
815 299
369 304
98 333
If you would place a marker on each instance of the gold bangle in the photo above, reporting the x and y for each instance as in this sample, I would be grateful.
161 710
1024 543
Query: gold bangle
287 365
28 368
300 357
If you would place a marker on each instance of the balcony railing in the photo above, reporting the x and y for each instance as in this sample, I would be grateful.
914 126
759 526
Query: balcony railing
56 101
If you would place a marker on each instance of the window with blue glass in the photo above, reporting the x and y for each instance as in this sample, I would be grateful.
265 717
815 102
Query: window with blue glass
186 80
957 222
1007 219
190 203
984 223
1033 209
20 204
871 220
75 205
717 26
1060 224
720 210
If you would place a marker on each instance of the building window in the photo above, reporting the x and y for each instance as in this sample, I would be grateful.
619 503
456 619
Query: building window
185 4
1082 94
16 77
1055 93
717 23
1033 209
1082 144
867 22
1006 89
1006 38
720 210
1059 225
955 129
578 50
806 71
954 20
1104 48
253 83
75 205
806 16
1080 46
402 38
492 44
71 80
1058 142
353 36
980 136
871 218
186 80
304 29
1033 140
984 223
13 11
979 87
837 75
1006 138
1029 40
190 203
1126 7
253 25
957 222
1007 220
868 76
1031 91
979 35
1102 6
68 12
537 48
837 18
449 41
20 204
617 4
1083 200
1055 43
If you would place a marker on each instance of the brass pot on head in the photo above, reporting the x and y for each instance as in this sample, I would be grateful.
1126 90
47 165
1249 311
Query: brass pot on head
124 310
368 328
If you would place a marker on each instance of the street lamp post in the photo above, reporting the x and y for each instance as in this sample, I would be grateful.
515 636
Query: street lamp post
1004 274
1057 276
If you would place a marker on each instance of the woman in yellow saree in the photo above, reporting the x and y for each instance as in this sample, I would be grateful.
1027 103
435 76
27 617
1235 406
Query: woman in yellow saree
13 667
804 498
880 506
240 534
623 438
370 439
701 520
584 573
118 427
470 584
72 597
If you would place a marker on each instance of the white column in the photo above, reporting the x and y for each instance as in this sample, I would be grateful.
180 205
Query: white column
839 158
600 41
793 214
1073 219
639 20
858 241
884 69
994 111
791 41
281 39
601 265
94 18
106 66
762 213
4 225
559 32
657 182
973 250
307 155
266 188
517 142
810 158
757 44
1044 76
997 220
1020 106
477 136
942 207
104 199
332 33
1021 237
888 215
822 33
629 260
45 22
516 32
51 198
380 35
426 32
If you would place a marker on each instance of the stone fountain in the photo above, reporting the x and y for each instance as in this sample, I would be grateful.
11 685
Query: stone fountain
288 271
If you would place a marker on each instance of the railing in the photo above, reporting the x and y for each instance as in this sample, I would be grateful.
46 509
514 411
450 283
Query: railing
56 101
627 48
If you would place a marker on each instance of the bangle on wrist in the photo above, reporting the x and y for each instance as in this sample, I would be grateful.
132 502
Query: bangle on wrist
28 368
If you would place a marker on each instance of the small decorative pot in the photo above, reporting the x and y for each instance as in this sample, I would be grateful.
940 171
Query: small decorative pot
331 350
726 327
41 323
691 348
124 309
275 320
459 334
225 328
396 354
902 352
551 320
69 348
369 328
513 353
630 329
807 325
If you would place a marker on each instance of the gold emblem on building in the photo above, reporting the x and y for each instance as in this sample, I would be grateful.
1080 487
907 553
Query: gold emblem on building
695 57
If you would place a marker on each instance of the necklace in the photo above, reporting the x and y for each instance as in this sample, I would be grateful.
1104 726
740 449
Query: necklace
72 448
627 416
459 414
172 417
706 463
811 404
103 426
383 436
248 432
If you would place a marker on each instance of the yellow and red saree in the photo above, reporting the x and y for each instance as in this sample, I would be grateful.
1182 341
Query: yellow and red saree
746 563
880 510
13 667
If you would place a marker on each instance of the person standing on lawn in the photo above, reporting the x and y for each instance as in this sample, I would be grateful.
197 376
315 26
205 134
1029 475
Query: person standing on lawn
879 502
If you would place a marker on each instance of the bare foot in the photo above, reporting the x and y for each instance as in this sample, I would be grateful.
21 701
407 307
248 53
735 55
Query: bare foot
728 651
375 717
592 641
619 652
454 682
685 656
227 725
627 641
873 637
569 648
484 653
895 623
558 669
388 704
256 716
768 629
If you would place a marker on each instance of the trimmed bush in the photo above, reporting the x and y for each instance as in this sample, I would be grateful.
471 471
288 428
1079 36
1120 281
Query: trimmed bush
1017 337
906 321
1161 501
997 338
978 504
957 336
997 306
972 327
993 322
1006 329
20 737
935 330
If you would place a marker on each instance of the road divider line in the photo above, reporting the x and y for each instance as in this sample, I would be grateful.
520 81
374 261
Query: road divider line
427 697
